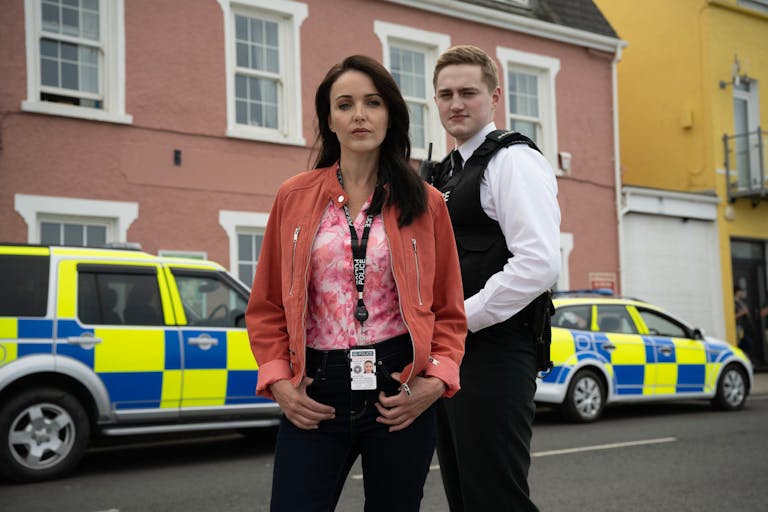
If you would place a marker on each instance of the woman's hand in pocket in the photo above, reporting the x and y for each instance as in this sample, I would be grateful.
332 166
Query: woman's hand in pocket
298 407
400 410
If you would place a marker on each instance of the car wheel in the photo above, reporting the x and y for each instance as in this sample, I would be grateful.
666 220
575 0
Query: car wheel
585 398
44 433
731 389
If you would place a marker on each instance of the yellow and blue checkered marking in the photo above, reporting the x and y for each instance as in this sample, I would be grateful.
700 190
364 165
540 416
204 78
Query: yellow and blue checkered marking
653 365
145 367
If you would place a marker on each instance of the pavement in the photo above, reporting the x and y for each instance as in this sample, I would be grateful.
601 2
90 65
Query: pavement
760 383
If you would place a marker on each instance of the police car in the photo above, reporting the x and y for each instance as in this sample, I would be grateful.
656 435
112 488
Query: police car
117 342
611 350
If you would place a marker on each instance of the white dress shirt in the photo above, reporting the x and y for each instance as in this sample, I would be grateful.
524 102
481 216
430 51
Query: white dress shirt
519 191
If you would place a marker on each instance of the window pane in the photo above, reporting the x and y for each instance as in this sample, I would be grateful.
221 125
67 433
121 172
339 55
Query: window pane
241 112
241 28
70 21
142 304
25 285
50 233
89 79
523 94
417 113
96 235
408 71
245 247
91 25
525 127
242 54
69 79
208 301
74 234
575 317
245 273
50 17
49 72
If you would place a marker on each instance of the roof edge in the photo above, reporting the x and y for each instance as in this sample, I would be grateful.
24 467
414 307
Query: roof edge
517 23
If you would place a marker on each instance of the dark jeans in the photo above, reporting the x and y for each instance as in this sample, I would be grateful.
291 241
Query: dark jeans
311 466
484 430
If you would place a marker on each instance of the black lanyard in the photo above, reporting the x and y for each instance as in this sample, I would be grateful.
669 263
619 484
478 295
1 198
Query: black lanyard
359 249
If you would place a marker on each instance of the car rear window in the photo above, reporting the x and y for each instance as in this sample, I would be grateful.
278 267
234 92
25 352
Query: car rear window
25 285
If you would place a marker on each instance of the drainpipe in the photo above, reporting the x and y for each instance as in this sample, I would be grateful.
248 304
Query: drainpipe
620 210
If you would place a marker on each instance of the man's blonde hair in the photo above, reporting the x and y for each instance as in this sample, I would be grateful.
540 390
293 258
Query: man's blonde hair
468 54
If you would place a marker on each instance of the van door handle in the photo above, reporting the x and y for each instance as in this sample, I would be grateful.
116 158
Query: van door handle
665 350
204 341
86 341
609 346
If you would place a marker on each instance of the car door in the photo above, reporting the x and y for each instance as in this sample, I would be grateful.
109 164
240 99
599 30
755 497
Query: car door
219 368
618 337
115 318
680 359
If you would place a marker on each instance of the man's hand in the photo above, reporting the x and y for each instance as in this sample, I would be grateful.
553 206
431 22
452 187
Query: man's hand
299 408
401 410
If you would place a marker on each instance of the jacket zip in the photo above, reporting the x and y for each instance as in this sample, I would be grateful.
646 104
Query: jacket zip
399 301
418 273
293 256
306 297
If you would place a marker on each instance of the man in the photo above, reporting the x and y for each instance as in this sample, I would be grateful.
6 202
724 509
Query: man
507 233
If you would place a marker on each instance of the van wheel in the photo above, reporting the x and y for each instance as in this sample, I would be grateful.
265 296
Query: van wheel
44 434
731 389
585 398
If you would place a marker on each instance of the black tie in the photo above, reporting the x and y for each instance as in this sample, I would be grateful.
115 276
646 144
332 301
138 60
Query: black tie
456 161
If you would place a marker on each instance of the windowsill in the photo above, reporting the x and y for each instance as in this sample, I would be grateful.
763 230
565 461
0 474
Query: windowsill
264 136
56 109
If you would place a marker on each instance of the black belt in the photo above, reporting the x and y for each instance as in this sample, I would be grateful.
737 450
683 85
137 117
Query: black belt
392 355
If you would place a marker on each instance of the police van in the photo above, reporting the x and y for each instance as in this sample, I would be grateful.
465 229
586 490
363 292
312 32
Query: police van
117 342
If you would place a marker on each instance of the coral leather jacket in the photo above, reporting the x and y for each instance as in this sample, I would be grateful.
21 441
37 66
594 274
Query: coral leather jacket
424 263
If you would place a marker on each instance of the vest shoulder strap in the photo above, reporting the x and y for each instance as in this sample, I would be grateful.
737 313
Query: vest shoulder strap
498 139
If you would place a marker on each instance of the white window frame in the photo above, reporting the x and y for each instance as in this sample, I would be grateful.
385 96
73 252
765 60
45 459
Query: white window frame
117 215
432 44
752 99
236 222
546 69
289 15
112 66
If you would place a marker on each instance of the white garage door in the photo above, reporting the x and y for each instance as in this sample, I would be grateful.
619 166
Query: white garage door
675 264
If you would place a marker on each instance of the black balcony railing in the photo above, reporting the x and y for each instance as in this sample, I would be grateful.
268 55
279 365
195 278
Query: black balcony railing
745 166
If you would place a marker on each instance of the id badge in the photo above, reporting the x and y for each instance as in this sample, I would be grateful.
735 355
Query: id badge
362 368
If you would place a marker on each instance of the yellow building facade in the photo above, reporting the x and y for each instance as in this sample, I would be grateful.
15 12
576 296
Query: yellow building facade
694 158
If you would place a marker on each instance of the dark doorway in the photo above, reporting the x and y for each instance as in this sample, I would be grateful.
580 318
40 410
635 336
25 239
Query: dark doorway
749 273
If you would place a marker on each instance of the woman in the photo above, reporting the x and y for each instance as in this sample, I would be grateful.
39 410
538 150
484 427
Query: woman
348 272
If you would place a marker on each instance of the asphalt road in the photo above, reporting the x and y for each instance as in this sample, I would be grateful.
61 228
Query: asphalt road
680 456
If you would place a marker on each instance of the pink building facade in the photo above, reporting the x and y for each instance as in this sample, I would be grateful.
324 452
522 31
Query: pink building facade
171 124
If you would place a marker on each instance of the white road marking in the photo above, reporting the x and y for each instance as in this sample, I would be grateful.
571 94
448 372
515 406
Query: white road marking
604 447
580 449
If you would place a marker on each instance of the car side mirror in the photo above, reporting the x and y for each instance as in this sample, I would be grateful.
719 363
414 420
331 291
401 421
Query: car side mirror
697 334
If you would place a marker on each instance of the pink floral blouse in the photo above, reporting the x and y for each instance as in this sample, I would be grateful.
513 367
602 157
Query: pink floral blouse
332 294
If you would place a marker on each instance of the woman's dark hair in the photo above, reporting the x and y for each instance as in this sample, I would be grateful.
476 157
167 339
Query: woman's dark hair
406 188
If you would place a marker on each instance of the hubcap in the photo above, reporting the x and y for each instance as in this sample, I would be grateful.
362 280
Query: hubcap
587 397
734 388
41 436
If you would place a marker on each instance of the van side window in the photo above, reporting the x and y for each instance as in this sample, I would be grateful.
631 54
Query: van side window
210 300
24 280
114 298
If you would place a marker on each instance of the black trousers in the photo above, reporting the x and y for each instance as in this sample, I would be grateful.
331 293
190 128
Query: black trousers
484 430
311 466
